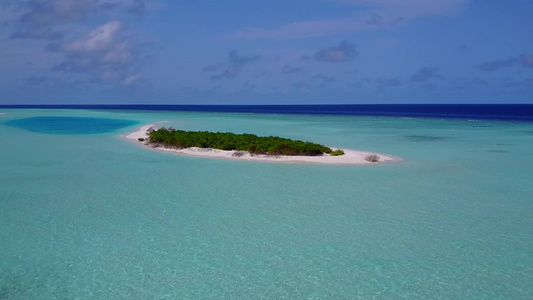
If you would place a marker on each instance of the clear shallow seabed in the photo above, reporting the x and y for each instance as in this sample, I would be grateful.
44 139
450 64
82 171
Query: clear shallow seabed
97 217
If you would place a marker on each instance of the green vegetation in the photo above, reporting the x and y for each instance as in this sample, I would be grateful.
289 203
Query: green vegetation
241 142
337 152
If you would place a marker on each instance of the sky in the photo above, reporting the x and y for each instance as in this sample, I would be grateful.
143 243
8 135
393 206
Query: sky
266 52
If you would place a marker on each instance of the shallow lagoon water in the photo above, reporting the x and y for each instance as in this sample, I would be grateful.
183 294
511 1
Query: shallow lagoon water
95 216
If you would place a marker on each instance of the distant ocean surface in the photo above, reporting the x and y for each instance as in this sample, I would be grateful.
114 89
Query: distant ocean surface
463 111
85 214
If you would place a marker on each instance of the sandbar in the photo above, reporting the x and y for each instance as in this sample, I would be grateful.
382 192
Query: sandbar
350 157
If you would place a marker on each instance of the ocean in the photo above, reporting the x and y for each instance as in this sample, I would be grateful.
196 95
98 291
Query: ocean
85 214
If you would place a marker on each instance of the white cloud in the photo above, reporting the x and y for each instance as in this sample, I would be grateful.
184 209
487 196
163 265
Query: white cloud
102 38
120 54
50 39
369 15
130 80
105 52
303 29
410 8
50 19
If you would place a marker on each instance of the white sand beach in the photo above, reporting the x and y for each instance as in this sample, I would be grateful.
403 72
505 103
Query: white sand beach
351 157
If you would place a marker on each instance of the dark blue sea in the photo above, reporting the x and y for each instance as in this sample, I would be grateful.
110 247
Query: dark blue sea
517 112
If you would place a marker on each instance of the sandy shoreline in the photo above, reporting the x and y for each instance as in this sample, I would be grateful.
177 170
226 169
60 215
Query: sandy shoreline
351 157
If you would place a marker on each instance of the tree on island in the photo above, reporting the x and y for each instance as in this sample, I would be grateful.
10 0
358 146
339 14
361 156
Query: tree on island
251 143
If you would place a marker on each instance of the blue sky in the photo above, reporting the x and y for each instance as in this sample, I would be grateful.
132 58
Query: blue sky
265 52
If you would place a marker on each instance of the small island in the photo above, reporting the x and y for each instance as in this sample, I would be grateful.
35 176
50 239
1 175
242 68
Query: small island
251 143
249 147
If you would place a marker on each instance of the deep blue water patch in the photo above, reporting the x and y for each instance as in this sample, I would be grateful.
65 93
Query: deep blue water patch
515 112
70 125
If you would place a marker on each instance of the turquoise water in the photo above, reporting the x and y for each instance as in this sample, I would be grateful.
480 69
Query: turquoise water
97 217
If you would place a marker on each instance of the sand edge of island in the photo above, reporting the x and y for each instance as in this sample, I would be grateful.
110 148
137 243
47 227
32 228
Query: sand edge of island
350 157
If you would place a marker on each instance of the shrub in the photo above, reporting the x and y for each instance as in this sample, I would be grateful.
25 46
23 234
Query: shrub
372 158
336 152
140 139
238 153
231 141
